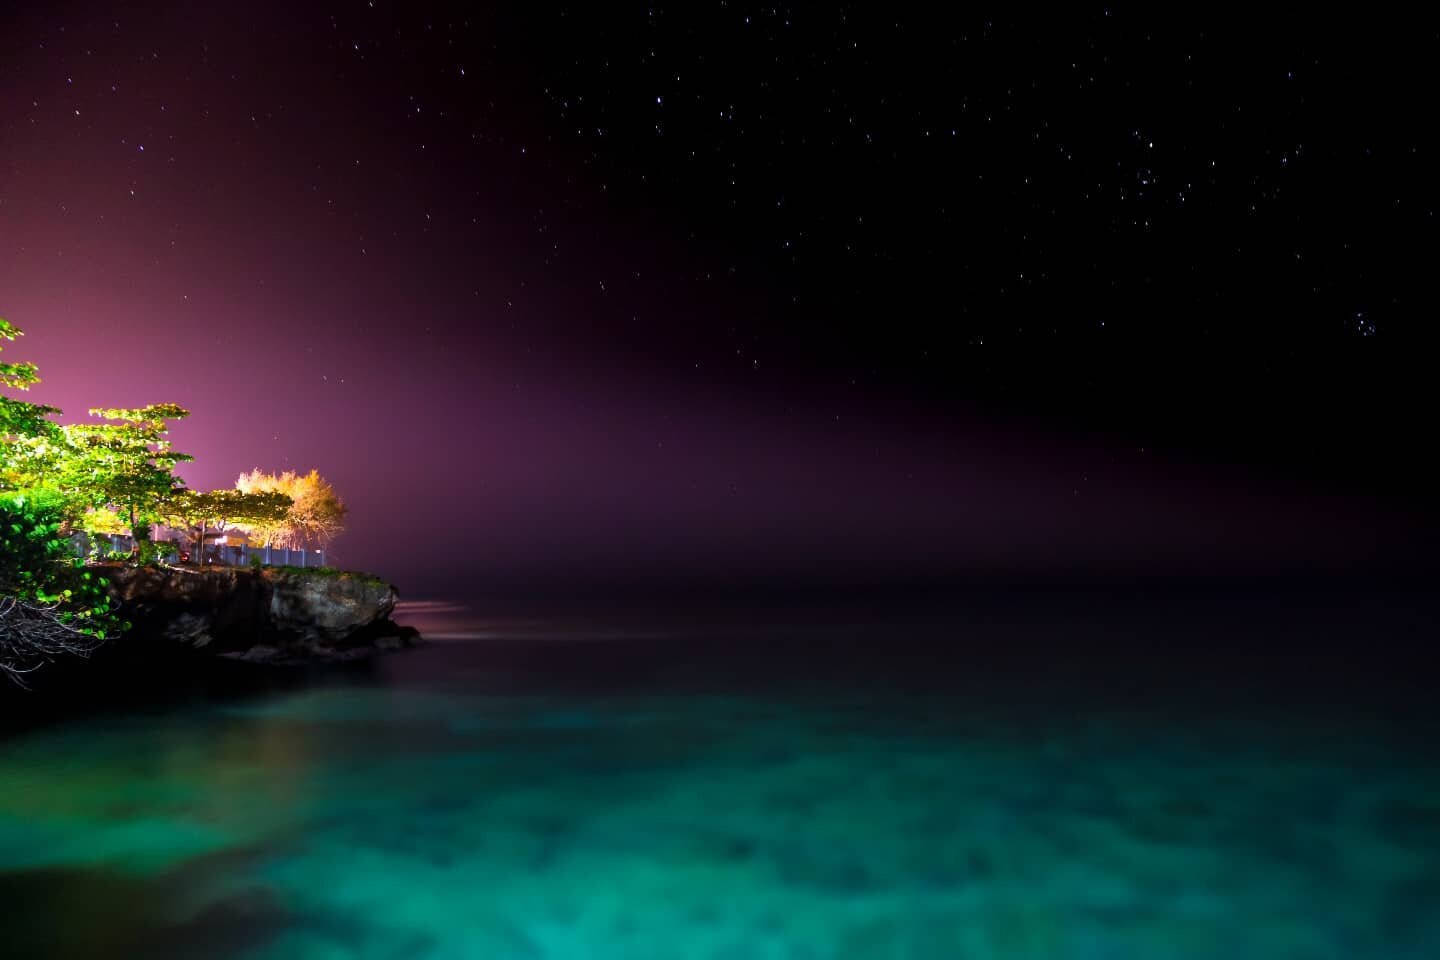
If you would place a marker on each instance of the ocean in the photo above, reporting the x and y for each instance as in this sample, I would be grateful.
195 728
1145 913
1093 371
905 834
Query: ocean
1073 778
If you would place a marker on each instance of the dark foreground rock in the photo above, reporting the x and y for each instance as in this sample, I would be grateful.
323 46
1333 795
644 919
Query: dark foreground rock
269 615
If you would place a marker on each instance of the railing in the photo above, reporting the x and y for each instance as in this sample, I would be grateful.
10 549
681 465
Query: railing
241 555
224 554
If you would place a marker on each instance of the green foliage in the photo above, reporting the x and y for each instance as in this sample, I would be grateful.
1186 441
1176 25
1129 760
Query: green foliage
153 417
25 428
329 573
95 549
31 544
148 552
99 522
16 376
37 565
227 507
202 514
50 478
126 466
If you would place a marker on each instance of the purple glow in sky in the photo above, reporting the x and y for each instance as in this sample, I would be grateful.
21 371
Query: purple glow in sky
501 368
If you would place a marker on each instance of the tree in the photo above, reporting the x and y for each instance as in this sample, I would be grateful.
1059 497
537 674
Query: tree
316 515
27 434
126 465
211 513
48 607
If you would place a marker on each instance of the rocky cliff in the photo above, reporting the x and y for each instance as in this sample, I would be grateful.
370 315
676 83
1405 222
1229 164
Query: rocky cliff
270 615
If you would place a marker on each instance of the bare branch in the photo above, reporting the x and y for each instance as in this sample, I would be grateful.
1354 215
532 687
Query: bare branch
32 635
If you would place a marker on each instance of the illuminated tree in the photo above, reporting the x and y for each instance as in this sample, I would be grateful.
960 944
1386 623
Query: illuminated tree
316 515
210 514
27 435
49 608
126 465
100 471
16 376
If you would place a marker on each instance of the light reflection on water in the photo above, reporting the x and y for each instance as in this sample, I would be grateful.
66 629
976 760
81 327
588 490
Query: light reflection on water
653 800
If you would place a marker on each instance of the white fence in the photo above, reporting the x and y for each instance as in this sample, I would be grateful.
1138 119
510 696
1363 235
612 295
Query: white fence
227 554
241 555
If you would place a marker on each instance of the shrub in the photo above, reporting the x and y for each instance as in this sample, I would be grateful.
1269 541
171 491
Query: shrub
149 553
32 549
50 605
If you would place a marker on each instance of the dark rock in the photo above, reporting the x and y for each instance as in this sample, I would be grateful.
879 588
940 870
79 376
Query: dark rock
267 615
401 637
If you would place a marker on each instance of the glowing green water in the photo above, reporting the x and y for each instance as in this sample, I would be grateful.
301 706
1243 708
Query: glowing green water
434 810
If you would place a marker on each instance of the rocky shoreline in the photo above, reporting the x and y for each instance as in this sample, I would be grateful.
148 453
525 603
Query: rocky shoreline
222 632
266 615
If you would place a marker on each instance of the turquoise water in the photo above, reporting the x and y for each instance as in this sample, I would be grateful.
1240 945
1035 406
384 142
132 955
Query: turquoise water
791 799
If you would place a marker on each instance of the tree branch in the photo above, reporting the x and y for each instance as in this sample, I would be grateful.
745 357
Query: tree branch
32 635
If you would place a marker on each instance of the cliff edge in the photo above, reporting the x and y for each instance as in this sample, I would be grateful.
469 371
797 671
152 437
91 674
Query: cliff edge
272 615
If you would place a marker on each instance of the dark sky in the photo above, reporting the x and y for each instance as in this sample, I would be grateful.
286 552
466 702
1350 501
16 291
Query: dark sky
556 293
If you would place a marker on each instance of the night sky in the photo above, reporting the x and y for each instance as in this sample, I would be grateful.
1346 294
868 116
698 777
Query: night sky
597 292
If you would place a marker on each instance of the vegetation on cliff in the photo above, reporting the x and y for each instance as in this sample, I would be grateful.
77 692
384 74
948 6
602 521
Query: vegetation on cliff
49 604
113 474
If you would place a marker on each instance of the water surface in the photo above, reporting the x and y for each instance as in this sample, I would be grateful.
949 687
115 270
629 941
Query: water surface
791 793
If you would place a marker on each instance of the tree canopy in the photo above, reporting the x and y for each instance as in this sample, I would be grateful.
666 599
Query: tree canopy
25 428
200 515
117 474
316 514
126 465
